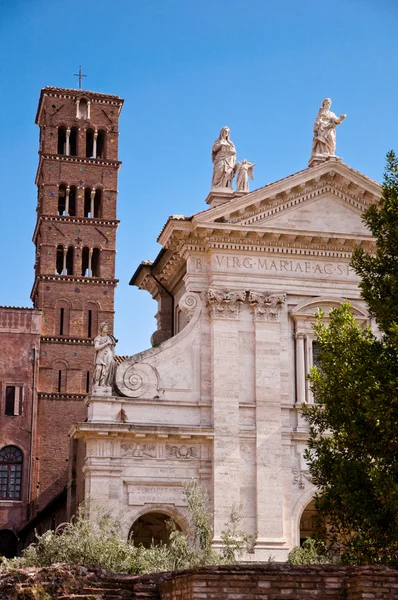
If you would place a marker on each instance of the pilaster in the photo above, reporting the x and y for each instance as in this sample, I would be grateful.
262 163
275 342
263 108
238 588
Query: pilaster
269 475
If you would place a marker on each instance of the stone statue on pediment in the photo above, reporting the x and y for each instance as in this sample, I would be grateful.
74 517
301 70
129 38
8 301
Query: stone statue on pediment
243 171
104 363
324 140
223 156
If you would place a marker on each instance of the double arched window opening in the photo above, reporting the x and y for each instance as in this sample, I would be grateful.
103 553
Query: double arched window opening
11 461
67 200
92 203
95 143
67 141
90 262
65 261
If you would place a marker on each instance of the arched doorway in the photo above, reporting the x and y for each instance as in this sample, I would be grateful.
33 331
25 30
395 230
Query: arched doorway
8 543
151 527
308 522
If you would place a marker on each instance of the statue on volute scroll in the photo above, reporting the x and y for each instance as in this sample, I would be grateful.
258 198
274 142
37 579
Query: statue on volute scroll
324 140
243 171
104 364
223 156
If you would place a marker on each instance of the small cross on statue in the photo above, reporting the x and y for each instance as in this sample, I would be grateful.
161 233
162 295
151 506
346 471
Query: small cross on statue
78 240
80 76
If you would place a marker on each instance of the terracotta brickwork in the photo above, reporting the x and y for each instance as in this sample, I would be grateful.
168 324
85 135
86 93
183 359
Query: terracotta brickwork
240 582
19 342
75 238
278 582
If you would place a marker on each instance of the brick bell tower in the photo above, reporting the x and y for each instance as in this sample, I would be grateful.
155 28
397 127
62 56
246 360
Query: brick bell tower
75 238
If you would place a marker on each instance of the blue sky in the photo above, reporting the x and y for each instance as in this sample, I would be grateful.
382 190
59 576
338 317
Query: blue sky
185 69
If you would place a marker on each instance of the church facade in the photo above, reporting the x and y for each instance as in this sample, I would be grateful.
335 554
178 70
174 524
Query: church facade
218 396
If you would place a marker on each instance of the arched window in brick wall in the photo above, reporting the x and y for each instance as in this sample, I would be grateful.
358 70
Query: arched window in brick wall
101 146
90 262
90 143
60 372
62 317
67 200
90 320
67 140
64 260
61 148
11 461
95 263
92 202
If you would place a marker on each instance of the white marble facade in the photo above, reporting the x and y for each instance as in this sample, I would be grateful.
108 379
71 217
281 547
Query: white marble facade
219 400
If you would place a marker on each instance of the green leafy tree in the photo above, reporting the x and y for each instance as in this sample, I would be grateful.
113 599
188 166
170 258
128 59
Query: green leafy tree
353 446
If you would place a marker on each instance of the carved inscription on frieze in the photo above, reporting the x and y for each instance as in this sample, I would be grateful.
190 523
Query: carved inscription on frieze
283 267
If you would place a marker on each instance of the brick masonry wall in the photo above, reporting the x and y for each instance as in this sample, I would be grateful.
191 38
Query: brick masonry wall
19 337
282 582
240 582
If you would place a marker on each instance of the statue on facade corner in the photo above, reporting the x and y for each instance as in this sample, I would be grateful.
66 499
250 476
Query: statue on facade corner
243 171
223 155
324 140
104 363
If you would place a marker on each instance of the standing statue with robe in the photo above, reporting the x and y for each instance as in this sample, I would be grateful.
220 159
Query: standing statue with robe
324 140
105 364
223 156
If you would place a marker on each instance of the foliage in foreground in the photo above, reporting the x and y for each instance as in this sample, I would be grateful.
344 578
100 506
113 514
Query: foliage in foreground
97 542
311 552
353 448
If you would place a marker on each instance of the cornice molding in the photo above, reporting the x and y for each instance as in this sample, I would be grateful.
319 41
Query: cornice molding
76 220
66 340
60 396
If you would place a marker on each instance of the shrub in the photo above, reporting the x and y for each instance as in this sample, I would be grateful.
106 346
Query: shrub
96 541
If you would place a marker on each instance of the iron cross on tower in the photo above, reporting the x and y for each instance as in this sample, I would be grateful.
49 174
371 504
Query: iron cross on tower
80 76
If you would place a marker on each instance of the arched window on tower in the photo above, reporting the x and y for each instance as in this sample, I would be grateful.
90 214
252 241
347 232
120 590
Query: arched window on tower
59 267
11 461
90 143
64 260
101 144
90 320
61 140
88 197
82 109
62 317
62 200
69 260
71 201
73 141
97 203
85 262
95 263
59 369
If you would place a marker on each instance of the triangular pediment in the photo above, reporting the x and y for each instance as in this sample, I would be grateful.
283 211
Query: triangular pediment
329 198
326 214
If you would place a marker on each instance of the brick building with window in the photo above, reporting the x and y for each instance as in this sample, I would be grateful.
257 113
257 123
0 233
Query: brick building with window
47 350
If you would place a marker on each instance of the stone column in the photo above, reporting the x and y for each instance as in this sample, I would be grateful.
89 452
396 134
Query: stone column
64 262
67 146
92 195
269 474
224 314
67 192
95 144
90 256
300 367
